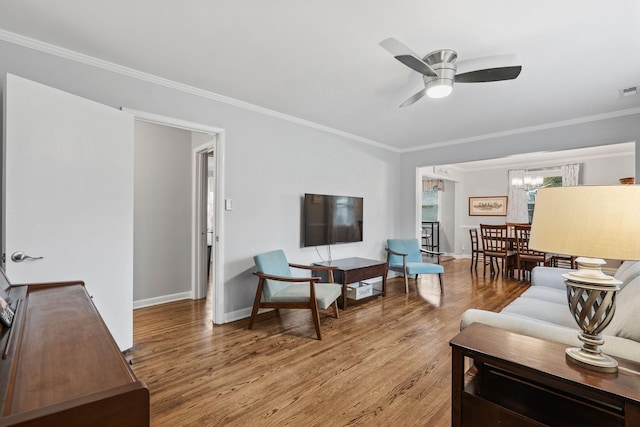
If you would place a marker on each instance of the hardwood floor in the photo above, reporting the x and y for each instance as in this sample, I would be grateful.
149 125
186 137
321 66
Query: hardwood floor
386 362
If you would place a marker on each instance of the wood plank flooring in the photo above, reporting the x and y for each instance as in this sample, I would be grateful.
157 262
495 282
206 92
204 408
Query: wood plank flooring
386 362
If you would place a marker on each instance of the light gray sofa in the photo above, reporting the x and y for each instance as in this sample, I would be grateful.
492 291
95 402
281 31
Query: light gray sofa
542 311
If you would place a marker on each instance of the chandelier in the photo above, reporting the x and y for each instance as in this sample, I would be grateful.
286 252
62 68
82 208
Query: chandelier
528 182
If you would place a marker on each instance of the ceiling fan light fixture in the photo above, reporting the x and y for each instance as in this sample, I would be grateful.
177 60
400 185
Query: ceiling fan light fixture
439 88
439 70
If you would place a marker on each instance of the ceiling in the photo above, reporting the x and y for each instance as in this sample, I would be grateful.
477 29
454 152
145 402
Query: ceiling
320 61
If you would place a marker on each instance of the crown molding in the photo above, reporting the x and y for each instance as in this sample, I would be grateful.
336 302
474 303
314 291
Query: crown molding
130 72
545 159
537 128
71 55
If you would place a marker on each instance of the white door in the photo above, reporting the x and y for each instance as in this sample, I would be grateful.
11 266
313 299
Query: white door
68 196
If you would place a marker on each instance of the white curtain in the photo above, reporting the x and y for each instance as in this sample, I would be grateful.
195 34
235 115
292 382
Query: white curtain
432 184
570 174
517 203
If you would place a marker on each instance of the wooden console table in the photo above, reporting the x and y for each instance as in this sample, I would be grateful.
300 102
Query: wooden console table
516 380
351 270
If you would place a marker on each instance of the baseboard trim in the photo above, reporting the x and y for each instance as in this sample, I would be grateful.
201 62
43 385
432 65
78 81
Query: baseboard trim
237 315
148 302
242 314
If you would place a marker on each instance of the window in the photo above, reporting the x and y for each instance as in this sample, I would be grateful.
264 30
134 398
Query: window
548 181
431 200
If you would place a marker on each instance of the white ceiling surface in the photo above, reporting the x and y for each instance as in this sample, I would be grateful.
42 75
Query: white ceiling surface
321 62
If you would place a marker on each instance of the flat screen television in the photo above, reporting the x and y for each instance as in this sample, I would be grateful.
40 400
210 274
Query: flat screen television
329 220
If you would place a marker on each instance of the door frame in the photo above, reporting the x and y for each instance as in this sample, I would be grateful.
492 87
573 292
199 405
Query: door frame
198 289
200 187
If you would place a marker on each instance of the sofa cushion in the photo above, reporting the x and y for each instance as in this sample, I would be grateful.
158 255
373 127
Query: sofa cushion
549 277
626 320
628 271
543 293
546 311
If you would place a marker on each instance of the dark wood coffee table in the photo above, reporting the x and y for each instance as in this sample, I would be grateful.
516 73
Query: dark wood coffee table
351 270
516 380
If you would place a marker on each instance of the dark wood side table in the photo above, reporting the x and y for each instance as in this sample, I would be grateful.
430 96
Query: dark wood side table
351 270
516 380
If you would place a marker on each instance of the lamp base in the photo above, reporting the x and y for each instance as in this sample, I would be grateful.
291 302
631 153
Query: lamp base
592 297
594 361
590 272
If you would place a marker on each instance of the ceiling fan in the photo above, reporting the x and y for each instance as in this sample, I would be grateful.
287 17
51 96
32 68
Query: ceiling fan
439 70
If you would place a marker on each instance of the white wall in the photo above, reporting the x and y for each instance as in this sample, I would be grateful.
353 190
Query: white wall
162 212
272 170
448 223
607 170
490 182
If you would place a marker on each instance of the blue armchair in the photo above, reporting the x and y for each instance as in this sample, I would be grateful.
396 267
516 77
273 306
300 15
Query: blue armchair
405 256
277 288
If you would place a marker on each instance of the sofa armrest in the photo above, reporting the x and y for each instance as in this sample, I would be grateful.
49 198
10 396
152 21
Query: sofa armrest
549 276
613 346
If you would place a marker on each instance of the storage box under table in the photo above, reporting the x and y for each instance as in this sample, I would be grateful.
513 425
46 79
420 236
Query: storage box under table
376 283
359 290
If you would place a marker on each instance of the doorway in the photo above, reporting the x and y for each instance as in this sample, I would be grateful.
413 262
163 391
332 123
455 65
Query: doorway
206 230
600 165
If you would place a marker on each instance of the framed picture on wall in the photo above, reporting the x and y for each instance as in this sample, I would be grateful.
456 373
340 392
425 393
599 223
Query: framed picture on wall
488 206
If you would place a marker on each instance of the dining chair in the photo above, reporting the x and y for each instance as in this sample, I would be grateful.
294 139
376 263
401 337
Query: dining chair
563 261
527 258
476 249
278 288
511 231
495 245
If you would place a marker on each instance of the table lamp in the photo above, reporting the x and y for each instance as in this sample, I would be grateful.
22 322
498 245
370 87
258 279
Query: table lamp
591 222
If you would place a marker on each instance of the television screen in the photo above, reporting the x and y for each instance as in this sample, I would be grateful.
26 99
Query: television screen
331 219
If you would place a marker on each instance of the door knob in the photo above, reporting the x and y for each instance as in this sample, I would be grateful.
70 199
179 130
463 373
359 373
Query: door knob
21 256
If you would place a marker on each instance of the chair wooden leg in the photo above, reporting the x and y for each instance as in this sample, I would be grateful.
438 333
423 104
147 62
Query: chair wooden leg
254 312
493 269
441 282
335 309
316 318
406 283
256 303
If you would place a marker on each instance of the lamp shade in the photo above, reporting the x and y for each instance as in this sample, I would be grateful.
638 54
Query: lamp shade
588 221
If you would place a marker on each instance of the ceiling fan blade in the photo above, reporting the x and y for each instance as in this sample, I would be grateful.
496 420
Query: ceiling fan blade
489 75
414 98
483 62
408 57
